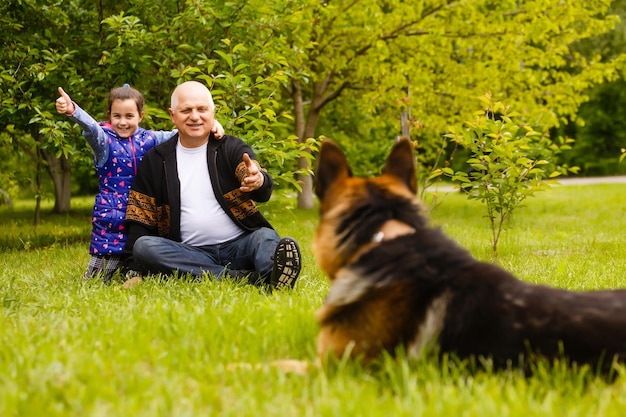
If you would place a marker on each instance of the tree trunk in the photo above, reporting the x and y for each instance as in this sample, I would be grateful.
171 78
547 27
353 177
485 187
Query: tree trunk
37 190
305 128
59 170
305 197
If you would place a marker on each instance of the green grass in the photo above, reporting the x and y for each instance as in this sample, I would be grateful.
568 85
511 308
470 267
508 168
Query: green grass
166 348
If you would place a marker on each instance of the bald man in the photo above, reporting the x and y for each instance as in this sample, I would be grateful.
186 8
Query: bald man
192 209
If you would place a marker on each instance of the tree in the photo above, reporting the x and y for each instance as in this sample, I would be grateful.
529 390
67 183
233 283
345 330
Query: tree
152 47
288 61
34 62
447 52
28 58
599 128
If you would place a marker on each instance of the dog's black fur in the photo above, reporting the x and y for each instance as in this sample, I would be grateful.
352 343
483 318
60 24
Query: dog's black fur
421 289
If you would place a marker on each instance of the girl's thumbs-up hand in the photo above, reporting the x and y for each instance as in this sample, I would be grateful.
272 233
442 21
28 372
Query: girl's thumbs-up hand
64 103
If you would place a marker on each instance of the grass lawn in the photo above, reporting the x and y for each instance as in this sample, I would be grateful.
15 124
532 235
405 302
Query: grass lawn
180 348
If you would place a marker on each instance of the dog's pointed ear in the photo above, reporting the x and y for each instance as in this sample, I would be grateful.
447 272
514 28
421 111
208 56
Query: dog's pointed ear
331 166
401 163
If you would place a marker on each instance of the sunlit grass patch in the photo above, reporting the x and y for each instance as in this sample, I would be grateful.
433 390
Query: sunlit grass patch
181 347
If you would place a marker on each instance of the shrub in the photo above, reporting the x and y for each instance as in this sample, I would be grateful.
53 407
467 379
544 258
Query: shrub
509 161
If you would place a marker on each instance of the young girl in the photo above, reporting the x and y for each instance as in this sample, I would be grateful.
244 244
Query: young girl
118 146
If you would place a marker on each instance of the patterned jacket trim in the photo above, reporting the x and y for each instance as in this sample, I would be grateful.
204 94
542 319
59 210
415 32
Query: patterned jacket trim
143 209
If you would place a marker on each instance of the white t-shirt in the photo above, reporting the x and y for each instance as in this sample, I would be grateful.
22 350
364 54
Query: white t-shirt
202 219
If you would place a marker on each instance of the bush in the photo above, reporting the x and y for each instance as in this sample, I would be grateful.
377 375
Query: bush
508 161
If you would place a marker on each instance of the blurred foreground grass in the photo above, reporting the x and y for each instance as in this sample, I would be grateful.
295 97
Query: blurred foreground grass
180 348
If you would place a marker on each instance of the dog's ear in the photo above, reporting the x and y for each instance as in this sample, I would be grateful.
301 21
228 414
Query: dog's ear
331 166
401 163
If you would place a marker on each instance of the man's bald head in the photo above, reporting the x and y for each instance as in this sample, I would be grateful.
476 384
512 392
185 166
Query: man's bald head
190 86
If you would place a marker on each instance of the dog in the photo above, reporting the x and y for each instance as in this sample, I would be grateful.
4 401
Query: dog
399 283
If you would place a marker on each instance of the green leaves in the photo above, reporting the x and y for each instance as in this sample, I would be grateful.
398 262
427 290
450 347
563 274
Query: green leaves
286 61
509 161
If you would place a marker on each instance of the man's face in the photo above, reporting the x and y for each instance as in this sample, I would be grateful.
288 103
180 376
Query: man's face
193 115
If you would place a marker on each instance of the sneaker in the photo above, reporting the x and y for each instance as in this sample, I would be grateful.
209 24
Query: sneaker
287 264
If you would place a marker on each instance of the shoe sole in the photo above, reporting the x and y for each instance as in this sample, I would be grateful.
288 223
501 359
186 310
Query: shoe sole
287 263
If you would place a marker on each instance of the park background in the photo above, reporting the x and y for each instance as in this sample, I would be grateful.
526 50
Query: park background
284 75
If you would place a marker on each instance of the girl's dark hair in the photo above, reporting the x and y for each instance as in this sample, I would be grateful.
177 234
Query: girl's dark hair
124 93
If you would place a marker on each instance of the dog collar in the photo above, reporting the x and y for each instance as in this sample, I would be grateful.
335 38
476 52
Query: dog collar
391 229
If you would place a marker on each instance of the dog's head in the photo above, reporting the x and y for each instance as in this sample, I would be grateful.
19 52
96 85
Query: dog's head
353 209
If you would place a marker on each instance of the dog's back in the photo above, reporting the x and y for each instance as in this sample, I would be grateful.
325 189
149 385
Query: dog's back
496 315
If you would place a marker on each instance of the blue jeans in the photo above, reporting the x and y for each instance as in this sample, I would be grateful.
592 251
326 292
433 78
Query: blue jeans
249 252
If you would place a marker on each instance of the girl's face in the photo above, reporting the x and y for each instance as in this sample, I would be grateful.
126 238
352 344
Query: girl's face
125 117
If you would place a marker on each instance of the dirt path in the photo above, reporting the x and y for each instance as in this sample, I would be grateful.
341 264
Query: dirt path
618 179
